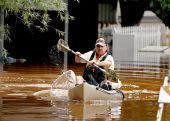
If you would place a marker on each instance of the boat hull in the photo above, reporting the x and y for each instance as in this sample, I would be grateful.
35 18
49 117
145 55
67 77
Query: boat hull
87 92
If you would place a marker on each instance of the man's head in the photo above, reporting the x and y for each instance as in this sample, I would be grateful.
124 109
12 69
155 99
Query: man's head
101 47
101 42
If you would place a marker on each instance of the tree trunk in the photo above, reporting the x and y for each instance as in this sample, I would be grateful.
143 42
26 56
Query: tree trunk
131 12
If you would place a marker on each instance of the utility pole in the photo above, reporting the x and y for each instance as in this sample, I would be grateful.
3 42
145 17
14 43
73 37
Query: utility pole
66 38
1 34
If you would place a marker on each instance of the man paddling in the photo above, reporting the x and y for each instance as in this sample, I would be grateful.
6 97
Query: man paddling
100 57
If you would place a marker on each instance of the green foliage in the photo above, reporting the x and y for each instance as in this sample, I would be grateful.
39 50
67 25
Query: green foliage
29 11
161 8
4 54
6 31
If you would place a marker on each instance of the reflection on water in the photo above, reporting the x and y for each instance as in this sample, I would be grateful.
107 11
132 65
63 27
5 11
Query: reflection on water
19 109
141 83
84 111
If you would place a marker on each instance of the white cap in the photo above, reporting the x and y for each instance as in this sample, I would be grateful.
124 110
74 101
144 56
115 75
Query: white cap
101 42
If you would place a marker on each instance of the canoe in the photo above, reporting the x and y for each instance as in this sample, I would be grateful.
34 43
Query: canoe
64 88
87 92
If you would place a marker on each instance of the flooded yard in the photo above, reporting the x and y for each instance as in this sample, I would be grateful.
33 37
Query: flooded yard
141 83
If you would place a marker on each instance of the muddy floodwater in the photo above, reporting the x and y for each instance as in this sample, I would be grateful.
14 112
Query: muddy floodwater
141 83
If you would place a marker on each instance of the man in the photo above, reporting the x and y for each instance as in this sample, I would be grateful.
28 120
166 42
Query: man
100 57
11 60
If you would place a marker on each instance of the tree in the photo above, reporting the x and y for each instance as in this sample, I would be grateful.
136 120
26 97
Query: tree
29 11
162 10
132 11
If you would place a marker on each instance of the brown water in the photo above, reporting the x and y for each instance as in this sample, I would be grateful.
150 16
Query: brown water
141 84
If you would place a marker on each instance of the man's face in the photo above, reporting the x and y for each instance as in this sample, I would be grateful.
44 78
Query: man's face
101 50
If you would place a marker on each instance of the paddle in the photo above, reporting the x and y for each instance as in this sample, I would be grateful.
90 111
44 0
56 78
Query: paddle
63 46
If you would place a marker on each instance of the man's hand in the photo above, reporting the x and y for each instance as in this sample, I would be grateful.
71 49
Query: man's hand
92 62
77 57
77 53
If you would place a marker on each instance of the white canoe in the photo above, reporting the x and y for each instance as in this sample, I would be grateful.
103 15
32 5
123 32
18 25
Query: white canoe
87 92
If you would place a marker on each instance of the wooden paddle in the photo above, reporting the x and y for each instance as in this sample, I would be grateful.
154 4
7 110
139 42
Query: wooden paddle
63 46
